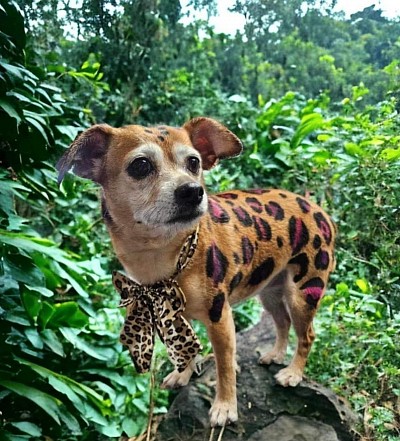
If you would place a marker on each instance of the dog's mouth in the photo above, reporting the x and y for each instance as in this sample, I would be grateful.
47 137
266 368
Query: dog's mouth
185 217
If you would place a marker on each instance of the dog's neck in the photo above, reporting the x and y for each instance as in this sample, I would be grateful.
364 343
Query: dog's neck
147 254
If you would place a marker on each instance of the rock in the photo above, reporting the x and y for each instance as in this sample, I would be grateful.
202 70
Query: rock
267 411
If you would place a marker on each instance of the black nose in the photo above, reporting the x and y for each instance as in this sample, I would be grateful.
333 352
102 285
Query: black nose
190 193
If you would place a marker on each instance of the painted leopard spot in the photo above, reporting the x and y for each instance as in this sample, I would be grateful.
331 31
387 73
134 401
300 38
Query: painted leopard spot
256 191
247 250
313 290
217 213
302 261
215 311
237 278
236 258
283 195
322 260
324 227
262 272
255 204
317 242
243 217
275 210
263 229
161 138
298 234
303 204
216 264
227 195
279 241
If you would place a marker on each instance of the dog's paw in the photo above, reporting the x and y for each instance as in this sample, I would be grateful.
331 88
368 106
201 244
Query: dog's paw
223 412
289 376
272 357
176 379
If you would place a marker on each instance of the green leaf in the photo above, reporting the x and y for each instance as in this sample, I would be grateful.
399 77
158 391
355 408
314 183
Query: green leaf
32 304
52 341
68 314
45 314
363 285
71 335
29 428
391 154
10 110
309 123
41 289
50 405
34 337
36 124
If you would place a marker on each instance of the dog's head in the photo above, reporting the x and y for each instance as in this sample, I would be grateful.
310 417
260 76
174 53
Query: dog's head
151 176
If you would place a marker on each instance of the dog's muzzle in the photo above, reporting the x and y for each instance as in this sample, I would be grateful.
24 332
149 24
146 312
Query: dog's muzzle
188 198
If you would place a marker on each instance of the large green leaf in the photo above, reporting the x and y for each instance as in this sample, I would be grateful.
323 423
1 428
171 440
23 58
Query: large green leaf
49 404
308 124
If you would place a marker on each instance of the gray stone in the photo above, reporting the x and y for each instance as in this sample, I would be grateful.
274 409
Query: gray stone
266 410
295 428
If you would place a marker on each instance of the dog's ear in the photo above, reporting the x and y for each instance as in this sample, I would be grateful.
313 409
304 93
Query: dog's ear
86 154
212 140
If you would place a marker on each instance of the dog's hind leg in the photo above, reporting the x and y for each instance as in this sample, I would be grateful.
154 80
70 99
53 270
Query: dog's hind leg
302 299
272 300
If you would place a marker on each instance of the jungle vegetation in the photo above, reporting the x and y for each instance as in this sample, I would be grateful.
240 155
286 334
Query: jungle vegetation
313 94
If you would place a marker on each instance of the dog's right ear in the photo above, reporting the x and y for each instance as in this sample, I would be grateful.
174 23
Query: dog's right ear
86 154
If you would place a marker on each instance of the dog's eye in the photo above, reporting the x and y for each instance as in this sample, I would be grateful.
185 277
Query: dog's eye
140 168
193 164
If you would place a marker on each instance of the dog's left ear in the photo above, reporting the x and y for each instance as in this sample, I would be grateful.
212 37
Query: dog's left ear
212 140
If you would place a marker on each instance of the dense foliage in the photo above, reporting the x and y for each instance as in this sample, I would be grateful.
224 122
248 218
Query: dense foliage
313 95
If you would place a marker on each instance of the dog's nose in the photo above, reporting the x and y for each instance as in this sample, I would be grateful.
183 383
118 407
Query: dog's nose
190 193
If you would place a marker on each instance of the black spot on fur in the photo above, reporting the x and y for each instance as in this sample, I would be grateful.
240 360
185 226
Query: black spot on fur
317 242
216 309
262 272
302 261
313 290
283 195
227 195
275 210
263 229
256 191
216 264
303 204
255 204
243 217
217 213
237 278
236 258
161 138
298 234
322 260
247 250
279 241
324 227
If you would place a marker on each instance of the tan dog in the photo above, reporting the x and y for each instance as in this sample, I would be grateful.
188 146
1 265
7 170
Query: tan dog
267 242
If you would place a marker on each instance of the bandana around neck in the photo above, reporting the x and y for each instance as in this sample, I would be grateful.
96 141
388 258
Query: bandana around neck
158 307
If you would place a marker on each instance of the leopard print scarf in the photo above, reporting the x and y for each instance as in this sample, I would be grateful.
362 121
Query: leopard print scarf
158 307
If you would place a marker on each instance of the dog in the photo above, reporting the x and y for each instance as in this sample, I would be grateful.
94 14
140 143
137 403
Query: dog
270 243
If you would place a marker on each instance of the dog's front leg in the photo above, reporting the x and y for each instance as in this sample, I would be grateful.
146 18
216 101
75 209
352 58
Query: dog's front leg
178 379
221 331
